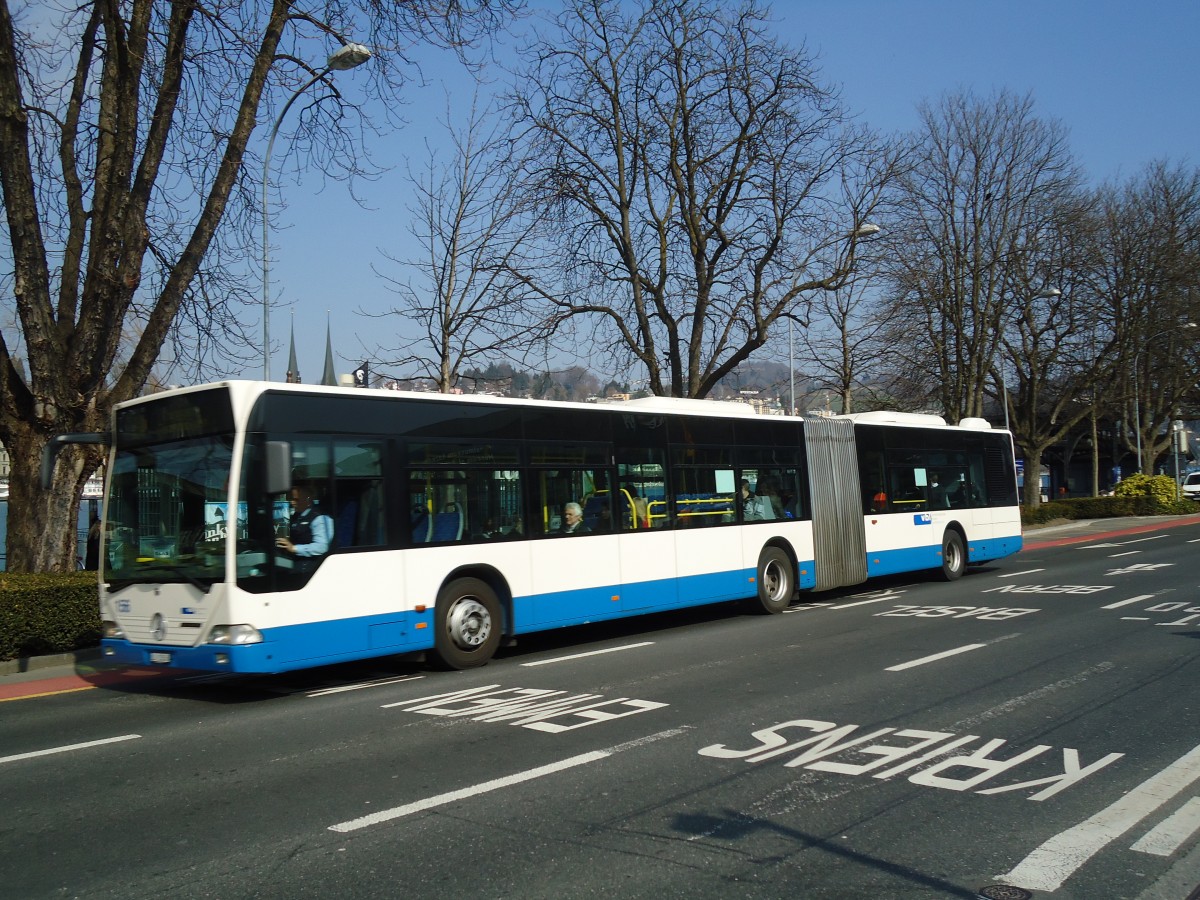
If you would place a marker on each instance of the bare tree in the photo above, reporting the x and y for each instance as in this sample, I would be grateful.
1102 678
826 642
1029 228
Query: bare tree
1052 361
702 183
470 223
125 130
984 175
1146 268
847 343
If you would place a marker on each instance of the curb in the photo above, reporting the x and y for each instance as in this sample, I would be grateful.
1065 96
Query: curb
36 663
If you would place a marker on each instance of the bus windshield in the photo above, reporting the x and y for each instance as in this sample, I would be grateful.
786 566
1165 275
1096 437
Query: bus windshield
168 514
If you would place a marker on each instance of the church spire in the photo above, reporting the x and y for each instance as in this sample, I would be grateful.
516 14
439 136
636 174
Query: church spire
293 370
330 377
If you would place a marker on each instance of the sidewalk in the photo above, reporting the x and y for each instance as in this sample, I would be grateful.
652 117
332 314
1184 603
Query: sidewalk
31 667
86 668
1081 530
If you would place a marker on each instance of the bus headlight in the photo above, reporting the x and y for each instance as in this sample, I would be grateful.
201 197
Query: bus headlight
111 630
235 634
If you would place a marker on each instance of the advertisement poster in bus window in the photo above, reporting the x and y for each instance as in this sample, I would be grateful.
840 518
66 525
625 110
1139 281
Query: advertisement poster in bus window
216 519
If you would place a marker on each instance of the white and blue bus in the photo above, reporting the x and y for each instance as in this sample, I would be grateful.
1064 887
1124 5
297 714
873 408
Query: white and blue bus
453 518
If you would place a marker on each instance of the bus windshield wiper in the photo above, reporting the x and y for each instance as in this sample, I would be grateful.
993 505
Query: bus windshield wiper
183 573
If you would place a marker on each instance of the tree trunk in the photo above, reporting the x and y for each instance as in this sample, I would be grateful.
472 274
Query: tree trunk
43 537
1031 495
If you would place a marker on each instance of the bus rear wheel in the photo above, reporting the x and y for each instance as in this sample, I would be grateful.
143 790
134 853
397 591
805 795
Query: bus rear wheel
467 624
954 556
776 581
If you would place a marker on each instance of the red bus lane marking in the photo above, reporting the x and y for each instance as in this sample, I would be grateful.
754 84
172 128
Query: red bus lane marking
66 684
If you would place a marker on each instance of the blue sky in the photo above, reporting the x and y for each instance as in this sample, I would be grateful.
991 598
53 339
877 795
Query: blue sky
1123 77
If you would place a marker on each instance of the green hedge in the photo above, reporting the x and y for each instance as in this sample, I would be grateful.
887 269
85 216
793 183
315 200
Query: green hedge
42 614
1139 495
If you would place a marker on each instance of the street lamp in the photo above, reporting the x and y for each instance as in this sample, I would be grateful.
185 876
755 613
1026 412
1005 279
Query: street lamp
1043 294
348 56
1137 393
865 230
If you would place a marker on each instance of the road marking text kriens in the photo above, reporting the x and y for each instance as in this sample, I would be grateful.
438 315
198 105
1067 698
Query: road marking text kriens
833 749
532 708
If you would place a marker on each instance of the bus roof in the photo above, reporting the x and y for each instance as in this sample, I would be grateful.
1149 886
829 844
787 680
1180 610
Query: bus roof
247 390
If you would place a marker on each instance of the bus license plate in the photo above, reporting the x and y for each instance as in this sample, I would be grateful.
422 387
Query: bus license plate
161 658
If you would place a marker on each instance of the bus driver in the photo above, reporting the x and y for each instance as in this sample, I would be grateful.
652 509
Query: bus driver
310 532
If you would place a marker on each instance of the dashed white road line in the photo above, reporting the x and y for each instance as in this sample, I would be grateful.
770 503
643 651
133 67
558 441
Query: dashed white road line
934 658
69 747
496 784
1138 599
558 659
474 791
361 685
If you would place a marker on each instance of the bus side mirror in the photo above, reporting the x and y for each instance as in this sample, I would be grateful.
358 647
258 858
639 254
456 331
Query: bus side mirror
55 444
279 467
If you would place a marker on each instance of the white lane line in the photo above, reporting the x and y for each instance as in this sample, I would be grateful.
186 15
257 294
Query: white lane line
1138 599
558 659
934 658
496 784
807 607
1019 574
1170 834
69 747
1135 618
1126 553
863 602
486 787
1047 867
364 684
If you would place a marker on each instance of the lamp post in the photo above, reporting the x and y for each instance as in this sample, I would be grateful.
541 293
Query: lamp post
1043 294
1137 392
791 370
348 56
865 230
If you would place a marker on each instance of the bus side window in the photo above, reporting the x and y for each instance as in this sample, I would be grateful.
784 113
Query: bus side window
641 473
587 487
704 485
908 489
357 503
493 504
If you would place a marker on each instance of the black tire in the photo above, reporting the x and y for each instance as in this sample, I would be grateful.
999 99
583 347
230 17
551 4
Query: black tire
467 624
776 581
954 556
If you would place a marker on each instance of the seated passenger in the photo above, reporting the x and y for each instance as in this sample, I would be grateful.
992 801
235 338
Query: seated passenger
573 520
750 508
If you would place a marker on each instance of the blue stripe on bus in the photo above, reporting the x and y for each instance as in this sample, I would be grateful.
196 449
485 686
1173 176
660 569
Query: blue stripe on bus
364 637
914 559
291 646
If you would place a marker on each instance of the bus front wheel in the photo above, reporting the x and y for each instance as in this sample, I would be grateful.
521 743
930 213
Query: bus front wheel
776 581
954 556
467 624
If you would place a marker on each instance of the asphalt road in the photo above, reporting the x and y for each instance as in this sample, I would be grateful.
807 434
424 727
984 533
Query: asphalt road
1030 730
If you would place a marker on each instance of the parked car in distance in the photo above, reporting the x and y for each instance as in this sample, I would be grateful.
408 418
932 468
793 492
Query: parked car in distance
1191 486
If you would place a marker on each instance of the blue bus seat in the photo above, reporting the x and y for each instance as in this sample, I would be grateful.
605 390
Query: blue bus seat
447 526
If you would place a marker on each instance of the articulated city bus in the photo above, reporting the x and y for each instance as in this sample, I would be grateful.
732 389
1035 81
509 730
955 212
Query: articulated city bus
264 527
